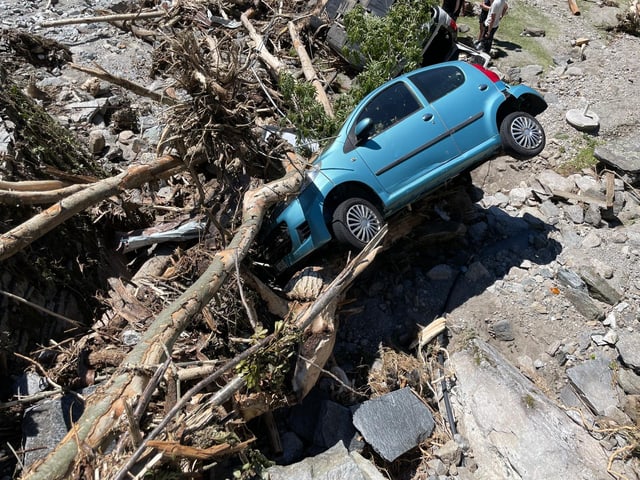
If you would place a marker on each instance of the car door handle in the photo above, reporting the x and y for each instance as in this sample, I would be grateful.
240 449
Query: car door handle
483 86
427 117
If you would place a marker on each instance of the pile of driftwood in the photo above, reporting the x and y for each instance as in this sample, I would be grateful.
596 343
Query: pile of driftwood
206 324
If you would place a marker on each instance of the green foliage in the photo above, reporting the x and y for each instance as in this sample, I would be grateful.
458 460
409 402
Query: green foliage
267 370
529 401
305 112
386 45
584 157
254 463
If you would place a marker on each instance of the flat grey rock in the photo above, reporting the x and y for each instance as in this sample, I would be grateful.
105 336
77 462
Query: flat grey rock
394 423
335 463
629 348
622 154
513 428
594 384
46 423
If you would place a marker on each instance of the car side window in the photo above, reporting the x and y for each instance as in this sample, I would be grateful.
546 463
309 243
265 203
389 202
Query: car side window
438 82
389 107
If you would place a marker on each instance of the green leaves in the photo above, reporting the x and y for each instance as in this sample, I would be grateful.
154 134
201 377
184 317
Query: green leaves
387 45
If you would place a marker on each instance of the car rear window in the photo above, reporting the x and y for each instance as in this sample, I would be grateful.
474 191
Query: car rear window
390 106
438 82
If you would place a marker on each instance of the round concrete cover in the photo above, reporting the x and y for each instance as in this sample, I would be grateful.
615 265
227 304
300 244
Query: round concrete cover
582 119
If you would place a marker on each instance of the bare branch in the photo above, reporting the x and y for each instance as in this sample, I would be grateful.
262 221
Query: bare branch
23 235
106 18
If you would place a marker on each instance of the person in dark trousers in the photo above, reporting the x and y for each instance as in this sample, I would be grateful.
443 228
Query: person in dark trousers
485 5
497 10
453 7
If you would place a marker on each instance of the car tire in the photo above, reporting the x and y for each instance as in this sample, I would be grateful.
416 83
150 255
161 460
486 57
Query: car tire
522 135
356 221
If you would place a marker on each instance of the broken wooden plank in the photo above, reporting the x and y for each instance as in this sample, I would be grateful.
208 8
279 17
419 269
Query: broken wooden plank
610 196
579 198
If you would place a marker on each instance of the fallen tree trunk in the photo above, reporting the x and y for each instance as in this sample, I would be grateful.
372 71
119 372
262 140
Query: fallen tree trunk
9 197
105 407
23 235
308 70
271 61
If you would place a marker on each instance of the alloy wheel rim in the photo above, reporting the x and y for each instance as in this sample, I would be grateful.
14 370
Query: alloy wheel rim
526 133
362 222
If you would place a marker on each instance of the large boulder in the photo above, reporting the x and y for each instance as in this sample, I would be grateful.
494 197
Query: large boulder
514 430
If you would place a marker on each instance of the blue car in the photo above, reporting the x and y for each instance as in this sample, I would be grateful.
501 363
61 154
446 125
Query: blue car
401 142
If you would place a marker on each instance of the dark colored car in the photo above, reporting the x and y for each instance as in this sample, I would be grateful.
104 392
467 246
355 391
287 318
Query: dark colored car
439 44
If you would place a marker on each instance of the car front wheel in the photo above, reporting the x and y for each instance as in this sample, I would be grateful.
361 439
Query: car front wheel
522 134
356 221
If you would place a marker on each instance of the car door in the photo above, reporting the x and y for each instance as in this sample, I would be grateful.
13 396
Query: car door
407 140
460 98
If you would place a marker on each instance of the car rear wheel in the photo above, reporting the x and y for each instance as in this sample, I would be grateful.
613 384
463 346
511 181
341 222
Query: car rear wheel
356 221
522 134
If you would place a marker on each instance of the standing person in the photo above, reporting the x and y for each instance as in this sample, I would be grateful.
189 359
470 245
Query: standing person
497 10
485 5
453 7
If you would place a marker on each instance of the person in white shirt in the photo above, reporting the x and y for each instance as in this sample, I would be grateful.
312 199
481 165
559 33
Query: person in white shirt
497 10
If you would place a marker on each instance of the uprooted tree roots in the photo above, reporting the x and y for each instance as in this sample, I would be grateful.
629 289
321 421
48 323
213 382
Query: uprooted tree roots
209 334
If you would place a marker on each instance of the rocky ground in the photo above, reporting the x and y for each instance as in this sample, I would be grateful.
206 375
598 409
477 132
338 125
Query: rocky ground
539 288
508 282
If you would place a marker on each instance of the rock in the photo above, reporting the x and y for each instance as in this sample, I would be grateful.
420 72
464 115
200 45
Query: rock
46 423
131 337
629 348
584 304
96 141
450 453
552 181
503 331
511 425
518 196
592 240
593 383
622 154
334 425
599 287
632 408
611 337
437 467
629 381
575 213
329 465
585 183
292 448
571 279
441 272
84 112
550 211
592 215
394 423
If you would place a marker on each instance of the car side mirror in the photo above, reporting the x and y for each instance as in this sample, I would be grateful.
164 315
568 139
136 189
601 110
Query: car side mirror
363 129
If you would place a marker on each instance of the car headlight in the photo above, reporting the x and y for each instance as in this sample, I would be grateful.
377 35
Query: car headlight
310 175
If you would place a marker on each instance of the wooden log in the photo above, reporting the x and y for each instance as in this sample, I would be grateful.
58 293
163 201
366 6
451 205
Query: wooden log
309 71
106 18
573 6
259 45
